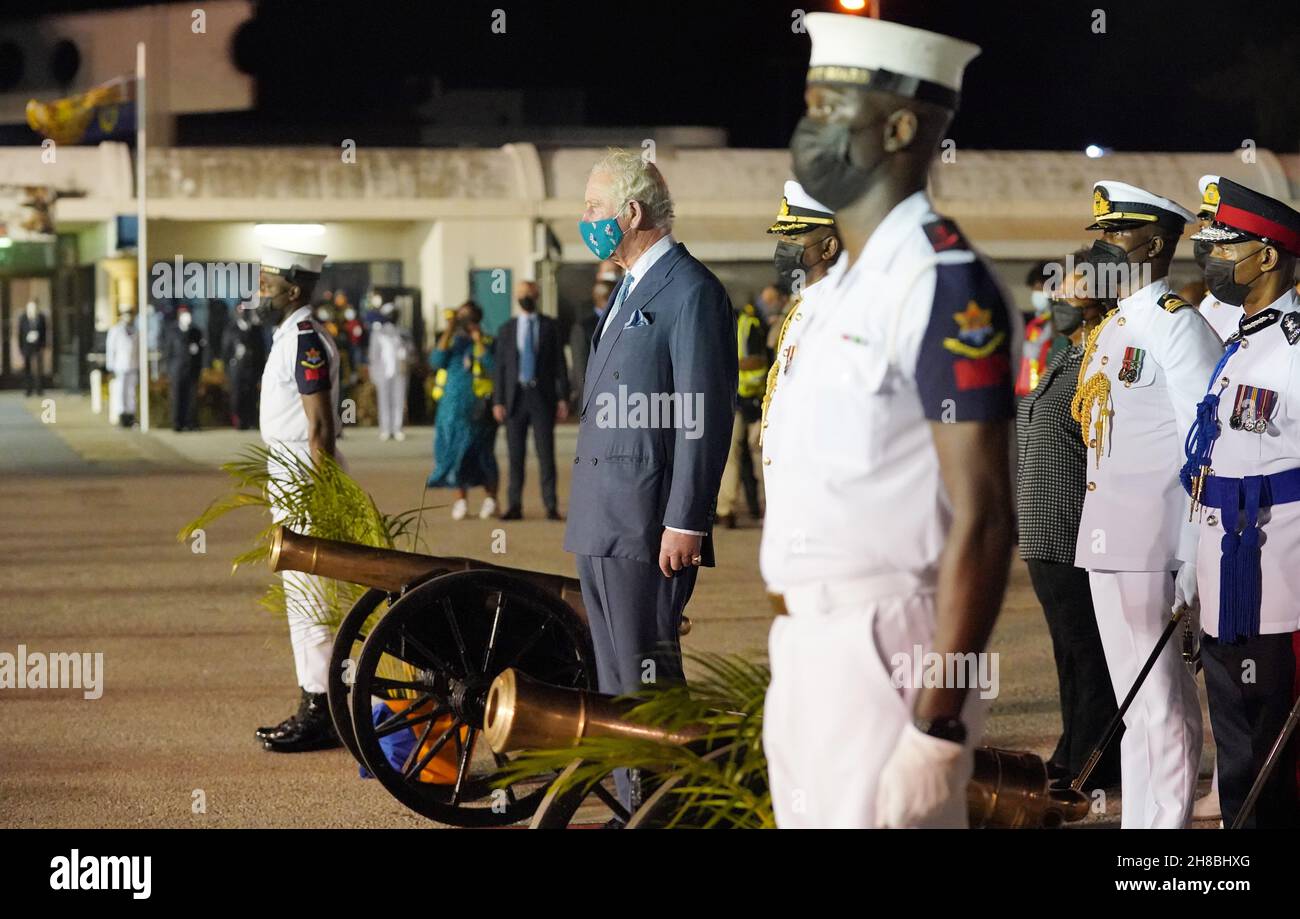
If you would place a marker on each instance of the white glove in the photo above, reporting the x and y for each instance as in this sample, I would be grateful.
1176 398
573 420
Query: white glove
1185 591
921 777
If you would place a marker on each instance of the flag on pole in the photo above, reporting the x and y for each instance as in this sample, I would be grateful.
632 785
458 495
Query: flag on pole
106 112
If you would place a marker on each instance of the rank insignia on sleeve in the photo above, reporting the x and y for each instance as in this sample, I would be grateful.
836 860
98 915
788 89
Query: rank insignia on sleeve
1171 303
1291 327
944 235
976 336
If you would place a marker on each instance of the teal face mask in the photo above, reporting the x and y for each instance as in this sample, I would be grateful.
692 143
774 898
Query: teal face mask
602 236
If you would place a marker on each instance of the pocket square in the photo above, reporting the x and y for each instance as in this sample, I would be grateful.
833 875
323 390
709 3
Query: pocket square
638 319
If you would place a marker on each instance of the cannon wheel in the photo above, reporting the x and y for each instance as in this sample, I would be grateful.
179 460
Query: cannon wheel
557 810
348 639
450 636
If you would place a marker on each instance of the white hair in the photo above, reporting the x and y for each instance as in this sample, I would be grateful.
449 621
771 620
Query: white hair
633 178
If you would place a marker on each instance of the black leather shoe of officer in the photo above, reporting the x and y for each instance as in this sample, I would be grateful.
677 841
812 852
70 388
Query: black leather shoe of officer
303 701
513 513
553 514
311 729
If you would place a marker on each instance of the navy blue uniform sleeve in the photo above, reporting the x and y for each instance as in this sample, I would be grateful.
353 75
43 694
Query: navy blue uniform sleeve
311 366
963 368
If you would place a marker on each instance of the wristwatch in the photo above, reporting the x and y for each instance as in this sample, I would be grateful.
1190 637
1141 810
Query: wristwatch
942 728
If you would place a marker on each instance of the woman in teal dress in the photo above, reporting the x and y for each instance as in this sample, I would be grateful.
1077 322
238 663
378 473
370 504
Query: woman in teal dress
464 434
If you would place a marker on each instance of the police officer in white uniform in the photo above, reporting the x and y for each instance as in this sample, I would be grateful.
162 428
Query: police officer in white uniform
1243 466
808 251
122 360
1144 369
889 516
389 352
299 422
1222 317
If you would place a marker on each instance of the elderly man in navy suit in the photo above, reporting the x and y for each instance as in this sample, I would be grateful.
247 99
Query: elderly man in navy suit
654 429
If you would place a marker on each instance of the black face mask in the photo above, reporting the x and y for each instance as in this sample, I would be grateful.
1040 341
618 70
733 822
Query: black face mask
528 304
822 164
1104 253
1220 278
788 260
1066 317
1201 251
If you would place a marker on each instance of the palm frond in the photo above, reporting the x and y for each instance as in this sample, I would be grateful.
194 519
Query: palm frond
721 782
318 499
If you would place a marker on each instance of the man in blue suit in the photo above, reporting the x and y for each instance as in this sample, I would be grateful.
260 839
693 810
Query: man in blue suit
654 429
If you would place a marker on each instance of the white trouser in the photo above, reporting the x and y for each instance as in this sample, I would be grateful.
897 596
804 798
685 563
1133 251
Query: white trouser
833 713
123 393
1161 747
305 605
391 394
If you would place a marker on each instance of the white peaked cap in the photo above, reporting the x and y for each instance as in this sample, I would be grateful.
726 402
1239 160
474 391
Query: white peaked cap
839 40
282 261
795 196
1119 204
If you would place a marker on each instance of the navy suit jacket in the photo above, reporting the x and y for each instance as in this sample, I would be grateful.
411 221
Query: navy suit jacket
658 407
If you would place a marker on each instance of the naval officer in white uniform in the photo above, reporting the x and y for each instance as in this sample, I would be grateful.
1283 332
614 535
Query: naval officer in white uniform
1222 317
1144 369
888 530
1244 466
299 422
807 252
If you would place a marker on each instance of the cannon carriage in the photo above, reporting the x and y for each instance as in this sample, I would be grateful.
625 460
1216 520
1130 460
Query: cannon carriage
426 641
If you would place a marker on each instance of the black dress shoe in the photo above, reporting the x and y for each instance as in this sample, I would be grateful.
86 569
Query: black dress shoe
265 732
513 513
311 729
553 514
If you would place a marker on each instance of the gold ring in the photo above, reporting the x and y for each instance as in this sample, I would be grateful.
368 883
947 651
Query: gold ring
696 559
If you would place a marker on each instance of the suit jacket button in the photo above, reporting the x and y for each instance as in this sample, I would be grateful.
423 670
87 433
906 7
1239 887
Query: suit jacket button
593 461
616 374
575 460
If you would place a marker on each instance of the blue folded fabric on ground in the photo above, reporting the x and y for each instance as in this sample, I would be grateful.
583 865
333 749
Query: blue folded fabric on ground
397 746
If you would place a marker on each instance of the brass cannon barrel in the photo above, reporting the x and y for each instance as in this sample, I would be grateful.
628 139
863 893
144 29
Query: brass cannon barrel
522 713
391 569
1009 789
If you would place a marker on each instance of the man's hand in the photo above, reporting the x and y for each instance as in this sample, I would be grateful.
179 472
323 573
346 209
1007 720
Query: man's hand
561 410
499 413
678 551
919 778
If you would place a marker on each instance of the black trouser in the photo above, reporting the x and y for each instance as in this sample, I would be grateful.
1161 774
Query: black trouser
243 400
1252 687
531 409
1087 698
184 409
34 366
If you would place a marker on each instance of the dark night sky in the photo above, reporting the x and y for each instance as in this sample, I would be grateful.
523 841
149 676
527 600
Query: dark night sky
1185 75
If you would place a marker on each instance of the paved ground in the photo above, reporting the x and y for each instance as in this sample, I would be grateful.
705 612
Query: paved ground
89 561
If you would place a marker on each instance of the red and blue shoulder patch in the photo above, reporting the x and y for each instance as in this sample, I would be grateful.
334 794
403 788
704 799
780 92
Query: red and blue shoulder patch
311 366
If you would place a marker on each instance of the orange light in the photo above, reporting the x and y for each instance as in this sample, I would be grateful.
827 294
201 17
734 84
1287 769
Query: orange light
853 6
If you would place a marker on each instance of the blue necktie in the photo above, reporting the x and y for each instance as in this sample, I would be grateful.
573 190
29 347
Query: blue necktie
528 357
623 291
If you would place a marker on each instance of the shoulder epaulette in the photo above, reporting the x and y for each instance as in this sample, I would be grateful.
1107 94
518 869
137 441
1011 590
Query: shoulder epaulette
1291 327
944 235
1171 303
